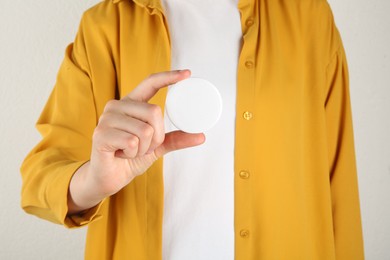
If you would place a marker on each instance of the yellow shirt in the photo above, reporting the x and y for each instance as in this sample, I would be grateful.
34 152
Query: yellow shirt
296 192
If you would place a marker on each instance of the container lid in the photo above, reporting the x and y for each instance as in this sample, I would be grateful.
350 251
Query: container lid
193 105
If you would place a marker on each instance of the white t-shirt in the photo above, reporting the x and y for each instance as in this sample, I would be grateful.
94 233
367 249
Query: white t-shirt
199 182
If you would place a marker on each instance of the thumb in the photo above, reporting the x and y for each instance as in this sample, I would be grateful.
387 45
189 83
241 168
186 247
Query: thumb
177 140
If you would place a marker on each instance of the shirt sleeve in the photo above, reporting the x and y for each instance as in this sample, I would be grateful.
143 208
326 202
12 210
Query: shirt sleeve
343 174
66 125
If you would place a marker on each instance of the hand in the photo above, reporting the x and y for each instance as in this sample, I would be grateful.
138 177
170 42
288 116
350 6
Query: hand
128 139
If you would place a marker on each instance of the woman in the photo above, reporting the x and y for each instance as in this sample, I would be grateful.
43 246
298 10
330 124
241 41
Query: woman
274 179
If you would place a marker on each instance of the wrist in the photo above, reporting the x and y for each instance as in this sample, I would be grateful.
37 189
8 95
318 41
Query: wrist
82 193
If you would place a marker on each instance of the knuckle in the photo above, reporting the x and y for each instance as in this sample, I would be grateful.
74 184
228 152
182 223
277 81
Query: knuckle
148 79
147 131
106 120
97 133
159 139
110 105
102 119
155 111
132 142
151 76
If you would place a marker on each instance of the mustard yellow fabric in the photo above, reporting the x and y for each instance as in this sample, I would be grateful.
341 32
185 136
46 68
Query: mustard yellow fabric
296 192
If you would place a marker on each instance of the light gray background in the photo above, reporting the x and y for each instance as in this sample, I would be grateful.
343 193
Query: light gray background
34 35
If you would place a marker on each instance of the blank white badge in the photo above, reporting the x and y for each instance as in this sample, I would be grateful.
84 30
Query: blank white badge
193 105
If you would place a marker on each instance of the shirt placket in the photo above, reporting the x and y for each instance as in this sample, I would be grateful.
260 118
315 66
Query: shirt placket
245 131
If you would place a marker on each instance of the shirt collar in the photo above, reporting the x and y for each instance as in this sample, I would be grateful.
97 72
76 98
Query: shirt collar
152 5
146 3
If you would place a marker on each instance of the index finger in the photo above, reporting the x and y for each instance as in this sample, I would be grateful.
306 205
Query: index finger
151 85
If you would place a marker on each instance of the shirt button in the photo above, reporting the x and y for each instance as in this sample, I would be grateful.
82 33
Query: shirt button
249 22
244 233
244 175
247 115
249 64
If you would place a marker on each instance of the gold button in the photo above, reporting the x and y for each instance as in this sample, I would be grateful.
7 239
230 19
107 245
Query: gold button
244 175
248 115
244 233
249 64
249 22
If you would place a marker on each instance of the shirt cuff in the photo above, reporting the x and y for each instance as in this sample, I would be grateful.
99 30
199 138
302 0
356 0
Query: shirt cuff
57 198
83 218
